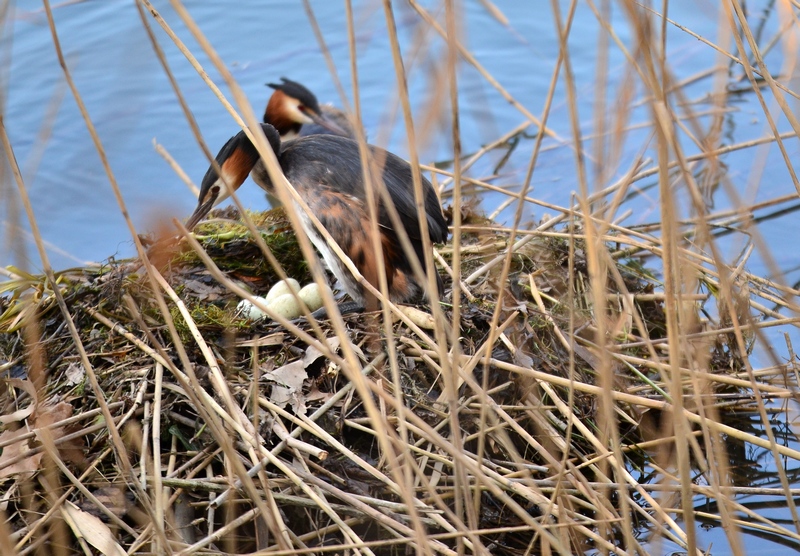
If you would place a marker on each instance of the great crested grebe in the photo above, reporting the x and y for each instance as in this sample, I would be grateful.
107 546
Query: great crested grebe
326 171
295 112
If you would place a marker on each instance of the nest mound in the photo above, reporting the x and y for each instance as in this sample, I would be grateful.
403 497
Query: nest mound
172 422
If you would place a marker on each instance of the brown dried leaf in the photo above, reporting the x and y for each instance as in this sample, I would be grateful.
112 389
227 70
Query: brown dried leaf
94 531
12 451
183 513
312 353
318 395
47 415
52 414
114 498
289 384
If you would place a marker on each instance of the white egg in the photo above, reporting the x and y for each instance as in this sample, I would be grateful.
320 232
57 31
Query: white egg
286 305
283 287
311 295
249 311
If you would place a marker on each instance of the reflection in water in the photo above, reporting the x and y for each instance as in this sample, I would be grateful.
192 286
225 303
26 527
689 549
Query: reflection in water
758 497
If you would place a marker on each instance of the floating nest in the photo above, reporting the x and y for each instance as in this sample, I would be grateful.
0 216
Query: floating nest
145 415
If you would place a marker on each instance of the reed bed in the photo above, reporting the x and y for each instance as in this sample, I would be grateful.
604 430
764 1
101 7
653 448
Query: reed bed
585 386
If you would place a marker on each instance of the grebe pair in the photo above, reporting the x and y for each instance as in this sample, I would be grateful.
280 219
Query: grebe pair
326 171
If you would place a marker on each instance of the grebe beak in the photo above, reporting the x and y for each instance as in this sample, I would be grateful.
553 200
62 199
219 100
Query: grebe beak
331 126
203 208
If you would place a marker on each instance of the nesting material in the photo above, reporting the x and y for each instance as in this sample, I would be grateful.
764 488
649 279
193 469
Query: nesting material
279 408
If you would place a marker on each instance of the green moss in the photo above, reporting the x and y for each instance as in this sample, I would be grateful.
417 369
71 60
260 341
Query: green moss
234 249
206 316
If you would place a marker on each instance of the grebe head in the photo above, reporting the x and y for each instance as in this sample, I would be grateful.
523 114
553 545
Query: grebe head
235 161
291 106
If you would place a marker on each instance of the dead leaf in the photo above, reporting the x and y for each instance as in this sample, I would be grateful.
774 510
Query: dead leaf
312 353
318 395
289 384
522 359
15 448
204 292
114 498
94 531
72 450
51 414
75 374
20 414
47 416
290 375
8 495
184 514
298 403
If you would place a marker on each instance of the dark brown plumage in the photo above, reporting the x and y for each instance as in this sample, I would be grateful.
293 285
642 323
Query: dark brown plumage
326 172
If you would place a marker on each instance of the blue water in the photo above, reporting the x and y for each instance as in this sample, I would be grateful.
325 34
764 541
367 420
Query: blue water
131 103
